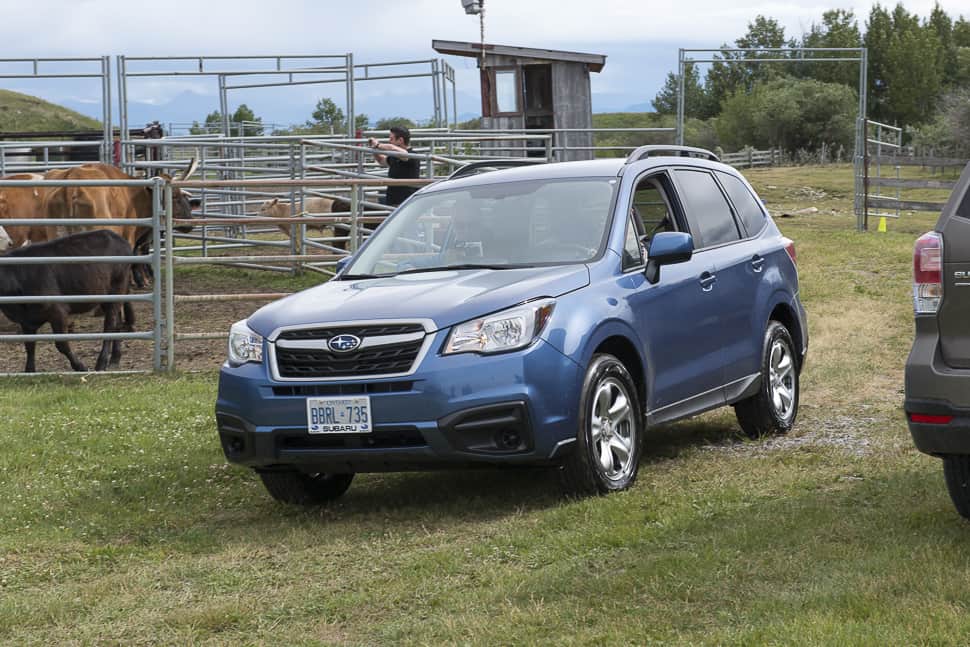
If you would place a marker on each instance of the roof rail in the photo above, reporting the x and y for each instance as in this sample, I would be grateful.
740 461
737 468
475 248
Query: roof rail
677 151
483 166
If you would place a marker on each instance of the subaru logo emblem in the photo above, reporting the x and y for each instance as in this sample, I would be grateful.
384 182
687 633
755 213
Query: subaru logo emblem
343 343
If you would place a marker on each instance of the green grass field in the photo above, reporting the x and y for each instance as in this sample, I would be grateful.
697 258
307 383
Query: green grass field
120 522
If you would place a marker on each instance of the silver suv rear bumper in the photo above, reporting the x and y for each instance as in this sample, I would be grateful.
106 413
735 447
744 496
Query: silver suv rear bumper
935 389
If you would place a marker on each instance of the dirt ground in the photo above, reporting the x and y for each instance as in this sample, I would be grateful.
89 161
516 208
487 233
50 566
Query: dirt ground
190 355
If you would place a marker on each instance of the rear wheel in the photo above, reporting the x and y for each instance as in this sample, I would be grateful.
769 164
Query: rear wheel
607 451
305 489
956 472
773 408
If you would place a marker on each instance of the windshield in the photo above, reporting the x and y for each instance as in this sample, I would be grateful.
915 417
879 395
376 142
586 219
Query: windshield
513 224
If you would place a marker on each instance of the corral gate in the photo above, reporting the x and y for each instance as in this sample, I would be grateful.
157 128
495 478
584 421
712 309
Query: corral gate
858 156
161 192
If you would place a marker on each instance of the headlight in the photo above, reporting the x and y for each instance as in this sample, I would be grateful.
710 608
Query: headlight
508 330
244 344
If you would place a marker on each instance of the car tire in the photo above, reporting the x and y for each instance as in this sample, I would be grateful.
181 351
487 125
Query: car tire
305 489
606 455
956 472
772 410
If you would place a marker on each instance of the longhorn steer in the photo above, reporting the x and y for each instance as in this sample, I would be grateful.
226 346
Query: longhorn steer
116 202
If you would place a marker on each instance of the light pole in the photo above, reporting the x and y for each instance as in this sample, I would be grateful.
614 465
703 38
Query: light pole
477 7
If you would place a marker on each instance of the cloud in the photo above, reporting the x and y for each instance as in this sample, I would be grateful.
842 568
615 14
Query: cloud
639 37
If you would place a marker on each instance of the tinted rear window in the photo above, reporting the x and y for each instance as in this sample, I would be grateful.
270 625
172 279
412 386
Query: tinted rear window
707 210
747 205
964 209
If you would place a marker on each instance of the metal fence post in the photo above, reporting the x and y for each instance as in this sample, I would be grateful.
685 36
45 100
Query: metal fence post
203 196
157 271
169 281
354 209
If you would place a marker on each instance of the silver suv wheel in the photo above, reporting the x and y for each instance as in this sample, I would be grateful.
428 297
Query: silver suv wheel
612 429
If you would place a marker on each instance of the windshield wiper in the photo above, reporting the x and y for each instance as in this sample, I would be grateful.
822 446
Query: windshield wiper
463 266
354 277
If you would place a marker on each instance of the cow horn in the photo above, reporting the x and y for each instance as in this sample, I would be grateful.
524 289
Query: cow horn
193 164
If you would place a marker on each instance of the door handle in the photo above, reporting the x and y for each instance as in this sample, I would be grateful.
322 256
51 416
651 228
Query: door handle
757 263
707 281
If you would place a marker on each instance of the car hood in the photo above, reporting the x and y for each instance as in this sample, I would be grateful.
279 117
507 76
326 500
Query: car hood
446 298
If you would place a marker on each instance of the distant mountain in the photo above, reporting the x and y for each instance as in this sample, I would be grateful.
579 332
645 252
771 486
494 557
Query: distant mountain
24 113
284 110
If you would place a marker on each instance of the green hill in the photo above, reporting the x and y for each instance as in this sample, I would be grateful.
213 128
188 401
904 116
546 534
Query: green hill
24 113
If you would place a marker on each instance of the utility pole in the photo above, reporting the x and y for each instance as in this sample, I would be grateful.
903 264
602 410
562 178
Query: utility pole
477 7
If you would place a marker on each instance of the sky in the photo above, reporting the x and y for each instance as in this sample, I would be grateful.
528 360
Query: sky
639 37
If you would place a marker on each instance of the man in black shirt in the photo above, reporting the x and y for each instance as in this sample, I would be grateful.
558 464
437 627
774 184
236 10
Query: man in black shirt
398 168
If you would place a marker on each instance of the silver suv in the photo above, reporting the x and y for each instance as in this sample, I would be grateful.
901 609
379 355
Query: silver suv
938 369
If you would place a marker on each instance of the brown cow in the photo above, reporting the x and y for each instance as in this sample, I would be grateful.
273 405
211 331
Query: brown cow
25 202
276 209
115 202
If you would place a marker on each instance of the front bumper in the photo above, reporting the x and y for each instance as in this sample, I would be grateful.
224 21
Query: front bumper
454 411
935 389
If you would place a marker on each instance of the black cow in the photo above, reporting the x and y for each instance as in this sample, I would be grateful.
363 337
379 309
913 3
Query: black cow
61 279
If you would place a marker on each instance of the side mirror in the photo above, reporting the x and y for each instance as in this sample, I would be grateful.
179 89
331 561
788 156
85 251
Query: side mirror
667 248
342 263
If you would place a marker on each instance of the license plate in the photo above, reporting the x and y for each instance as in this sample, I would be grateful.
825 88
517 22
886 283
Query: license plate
338 415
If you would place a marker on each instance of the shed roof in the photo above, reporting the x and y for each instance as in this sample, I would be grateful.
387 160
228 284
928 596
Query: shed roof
461 48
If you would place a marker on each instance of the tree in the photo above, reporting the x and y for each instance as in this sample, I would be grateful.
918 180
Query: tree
949 133
724 79
695 99
388 122
914 79
246 122
879 35
941 25
905 79
361 122
961 32
789 113
327 116
212 124
838 29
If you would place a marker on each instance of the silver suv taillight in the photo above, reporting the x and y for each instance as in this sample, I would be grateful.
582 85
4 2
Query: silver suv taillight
927 273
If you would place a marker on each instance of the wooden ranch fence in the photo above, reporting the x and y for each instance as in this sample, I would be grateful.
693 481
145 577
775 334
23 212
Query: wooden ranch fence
751 158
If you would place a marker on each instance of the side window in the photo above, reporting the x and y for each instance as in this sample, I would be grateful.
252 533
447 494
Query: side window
651 207
708 212
752 215
632 249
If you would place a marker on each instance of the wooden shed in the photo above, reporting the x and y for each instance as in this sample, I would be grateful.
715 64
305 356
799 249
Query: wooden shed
529 88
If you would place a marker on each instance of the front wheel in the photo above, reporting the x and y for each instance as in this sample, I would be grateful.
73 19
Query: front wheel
773 408
607 451
956 472
305 489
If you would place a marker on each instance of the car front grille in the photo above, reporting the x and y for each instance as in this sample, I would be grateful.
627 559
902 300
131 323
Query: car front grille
388 349
360 331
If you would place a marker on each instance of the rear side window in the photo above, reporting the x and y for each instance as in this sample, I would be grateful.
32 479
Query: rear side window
964 209
708 212
632 249
747 205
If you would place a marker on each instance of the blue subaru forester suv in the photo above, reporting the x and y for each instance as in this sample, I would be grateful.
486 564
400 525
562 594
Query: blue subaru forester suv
540 315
